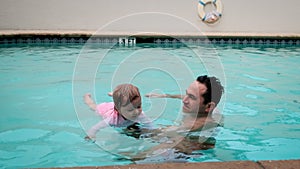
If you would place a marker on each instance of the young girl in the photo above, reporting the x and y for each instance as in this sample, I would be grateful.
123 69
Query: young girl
125 110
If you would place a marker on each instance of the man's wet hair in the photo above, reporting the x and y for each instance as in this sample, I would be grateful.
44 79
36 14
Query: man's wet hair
214 89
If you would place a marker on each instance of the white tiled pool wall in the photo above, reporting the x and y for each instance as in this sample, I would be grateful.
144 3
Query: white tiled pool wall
272 22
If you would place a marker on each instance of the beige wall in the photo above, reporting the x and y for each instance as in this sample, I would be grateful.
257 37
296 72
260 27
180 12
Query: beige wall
165 16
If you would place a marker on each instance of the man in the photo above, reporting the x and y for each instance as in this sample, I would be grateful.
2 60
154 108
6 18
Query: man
202 97
198 124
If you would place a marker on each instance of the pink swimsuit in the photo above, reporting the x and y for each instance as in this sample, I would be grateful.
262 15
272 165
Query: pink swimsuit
112 117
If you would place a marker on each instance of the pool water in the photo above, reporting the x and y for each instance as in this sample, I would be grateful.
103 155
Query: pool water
43 117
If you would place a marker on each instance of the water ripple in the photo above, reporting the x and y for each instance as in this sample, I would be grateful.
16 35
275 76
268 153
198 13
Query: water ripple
21 135
235 109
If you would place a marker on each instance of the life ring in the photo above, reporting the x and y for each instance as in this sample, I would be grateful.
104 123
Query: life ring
213 16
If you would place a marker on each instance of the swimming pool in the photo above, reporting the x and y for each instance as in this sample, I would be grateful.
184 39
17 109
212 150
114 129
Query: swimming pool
43 114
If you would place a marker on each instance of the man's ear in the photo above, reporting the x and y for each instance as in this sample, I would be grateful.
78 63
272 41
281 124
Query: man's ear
210 107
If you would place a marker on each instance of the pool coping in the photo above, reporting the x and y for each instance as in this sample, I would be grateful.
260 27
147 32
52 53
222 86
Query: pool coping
144 34
266 164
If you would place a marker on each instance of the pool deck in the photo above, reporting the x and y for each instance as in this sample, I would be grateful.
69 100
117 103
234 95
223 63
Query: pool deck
276 164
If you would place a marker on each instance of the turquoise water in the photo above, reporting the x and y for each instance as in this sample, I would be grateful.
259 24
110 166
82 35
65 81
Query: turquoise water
43 117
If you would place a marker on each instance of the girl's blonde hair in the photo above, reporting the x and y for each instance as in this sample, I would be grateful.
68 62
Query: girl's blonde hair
126 93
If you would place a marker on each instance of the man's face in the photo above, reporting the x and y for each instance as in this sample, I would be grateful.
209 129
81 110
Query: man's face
193 100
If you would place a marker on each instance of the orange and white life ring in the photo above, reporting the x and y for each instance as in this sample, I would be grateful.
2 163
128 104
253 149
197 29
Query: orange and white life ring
213 16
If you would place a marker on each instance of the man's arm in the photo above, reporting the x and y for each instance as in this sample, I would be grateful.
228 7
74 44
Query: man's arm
156 95
173 96
167 139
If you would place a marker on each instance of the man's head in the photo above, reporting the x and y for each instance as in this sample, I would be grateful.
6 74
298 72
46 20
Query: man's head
203 95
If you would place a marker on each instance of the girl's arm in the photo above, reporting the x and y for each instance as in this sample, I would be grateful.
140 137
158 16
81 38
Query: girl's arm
91 134
89 101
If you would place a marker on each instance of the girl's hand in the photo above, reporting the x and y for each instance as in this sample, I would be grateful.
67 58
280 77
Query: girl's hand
89 101
90 137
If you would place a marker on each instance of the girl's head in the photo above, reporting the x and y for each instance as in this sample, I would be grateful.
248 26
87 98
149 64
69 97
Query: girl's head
127 100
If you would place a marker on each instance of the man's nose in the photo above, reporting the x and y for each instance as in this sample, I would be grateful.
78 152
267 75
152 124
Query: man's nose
185 100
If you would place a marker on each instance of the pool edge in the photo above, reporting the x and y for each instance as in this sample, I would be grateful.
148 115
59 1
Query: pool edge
12 37
77 33
265 164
